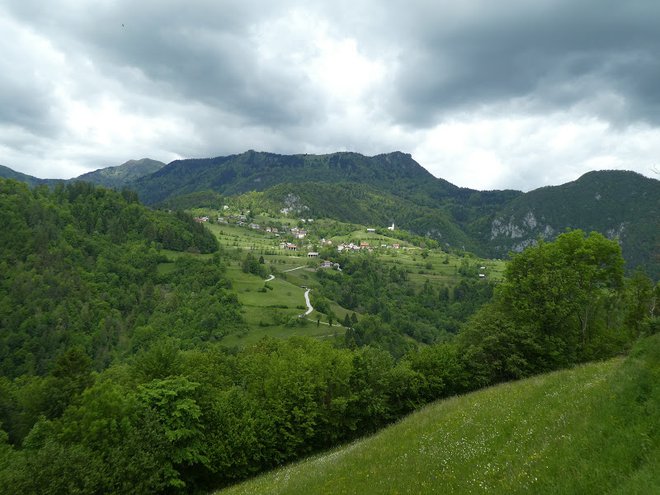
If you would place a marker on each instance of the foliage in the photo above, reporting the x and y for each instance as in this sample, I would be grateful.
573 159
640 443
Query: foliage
112 378
590 429
427 314
559 305
213 419
250 264
79 269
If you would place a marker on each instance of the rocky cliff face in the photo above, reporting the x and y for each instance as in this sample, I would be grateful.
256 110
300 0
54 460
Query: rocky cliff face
511 234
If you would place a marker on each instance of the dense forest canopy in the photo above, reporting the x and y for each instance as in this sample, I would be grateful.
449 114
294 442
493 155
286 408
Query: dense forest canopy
113 381
78 267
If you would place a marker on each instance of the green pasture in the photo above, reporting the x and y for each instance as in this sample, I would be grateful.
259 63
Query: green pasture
592 429
272 308
275 311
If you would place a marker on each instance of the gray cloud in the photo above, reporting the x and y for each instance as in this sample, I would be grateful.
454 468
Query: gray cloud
551 54
199 51
90 84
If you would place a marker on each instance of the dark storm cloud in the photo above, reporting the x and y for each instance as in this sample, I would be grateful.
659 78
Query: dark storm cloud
546 55
452 56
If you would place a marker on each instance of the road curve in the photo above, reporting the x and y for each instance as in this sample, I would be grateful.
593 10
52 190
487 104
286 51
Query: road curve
310 308
309 304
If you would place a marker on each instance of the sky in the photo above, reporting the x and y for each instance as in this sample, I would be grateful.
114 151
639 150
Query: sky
513 94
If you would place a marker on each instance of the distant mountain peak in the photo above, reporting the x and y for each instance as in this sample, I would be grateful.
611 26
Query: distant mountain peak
258 170
122 175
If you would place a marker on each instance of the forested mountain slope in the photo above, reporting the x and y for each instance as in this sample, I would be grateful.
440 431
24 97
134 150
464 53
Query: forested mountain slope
618 204
78 267
394 172
8 173
394 188
123 175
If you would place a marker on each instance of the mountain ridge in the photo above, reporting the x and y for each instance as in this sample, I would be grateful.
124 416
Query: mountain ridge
618 204
122 175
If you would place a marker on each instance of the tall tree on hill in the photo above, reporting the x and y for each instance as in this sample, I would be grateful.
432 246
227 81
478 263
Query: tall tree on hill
552 310
562 285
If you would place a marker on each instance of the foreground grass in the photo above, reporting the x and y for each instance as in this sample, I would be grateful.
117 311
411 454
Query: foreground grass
593 429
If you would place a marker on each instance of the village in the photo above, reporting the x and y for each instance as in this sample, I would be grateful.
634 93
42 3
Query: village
300 240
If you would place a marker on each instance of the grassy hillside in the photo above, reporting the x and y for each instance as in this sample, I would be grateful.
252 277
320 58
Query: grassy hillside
271 308
592 429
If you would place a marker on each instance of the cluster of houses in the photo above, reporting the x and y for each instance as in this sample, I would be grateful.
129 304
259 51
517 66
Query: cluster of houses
363 245
297 233
242 221
288 246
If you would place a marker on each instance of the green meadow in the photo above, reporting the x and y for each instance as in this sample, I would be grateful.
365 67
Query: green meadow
591 429
272 308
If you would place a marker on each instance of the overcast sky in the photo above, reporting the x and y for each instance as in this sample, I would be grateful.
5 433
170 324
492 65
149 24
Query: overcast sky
486 94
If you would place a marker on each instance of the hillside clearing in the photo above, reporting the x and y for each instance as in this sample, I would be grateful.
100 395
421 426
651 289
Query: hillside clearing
592 429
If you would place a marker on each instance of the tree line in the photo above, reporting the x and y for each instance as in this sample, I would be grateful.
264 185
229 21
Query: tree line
114 381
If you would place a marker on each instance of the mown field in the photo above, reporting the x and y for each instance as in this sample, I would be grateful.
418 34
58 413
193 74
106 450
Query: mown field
592 429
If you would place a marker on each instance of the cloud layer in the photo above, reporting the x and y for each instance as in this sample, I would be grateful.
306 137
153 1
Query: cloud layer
510 94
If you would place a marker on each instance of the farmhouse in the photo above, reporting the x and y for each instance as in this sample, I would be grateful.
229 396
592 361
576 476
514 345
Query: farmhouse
312 254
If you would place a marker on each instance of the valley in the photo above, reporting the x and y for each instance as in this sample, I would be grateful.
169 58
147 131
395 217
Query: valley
301 248
272 306
195 343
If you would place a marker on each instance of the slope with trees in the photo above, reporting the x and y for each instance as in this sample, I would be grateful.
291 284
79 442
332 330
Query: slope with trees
78 267
620 205
177 413
123 175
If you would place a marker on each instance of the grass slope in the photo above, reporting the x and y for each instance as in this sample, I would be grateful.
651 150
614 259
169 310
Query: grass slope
593 429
